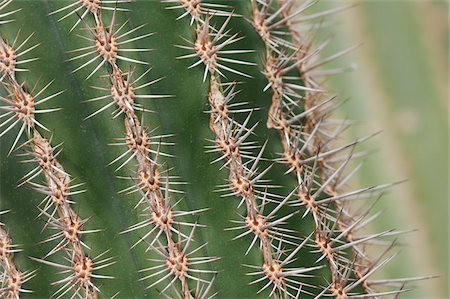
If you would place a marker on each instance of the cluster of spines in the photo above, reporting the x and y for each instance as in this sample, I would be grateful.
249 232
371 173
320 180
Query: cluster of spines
300 112
20 109
162 223
12 278
279 245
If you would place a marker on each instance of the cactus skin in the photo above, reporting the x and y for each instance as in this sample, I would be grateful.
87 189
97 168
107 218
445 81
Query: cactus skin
103 130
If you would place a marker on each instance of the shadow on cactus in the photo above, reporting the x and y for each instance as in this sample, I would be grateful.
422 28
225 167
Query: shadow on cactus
136 98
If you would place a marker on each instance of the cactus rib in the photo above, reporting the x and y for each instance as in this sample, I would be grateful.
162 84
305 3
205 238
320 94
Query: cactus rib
57 205
313 142
150 180
231 142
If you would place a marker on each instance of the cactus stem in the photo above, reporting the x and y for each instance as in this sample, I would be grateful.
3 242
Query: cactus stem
22 106
148 181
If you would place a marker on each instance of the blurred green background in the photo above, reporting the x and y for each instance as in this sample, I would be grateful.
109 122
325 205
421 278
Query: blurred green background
401 87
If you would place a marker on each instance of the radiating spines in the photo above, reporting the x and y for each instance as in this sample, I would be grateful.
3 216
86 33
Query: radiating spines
8 59
4 15
161 222
267 232
353 274
287 92
107 44
266 225
70 228
279 278
269 22
79 274
49 178
43 155
316 195
230 139
20 108
193 8
164 231
10 55
19 105
179 262
310 149
141 147
277 70
159 215
124 91
58 186
288 49
332 245
196 9
345 286
82 8
245 180
283 24
209 46
12 279
155 202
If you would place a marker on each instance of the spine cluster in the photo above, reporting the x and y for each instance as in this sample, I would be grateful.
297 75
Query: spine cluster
231 142
162 223
12 279
301 113
48 177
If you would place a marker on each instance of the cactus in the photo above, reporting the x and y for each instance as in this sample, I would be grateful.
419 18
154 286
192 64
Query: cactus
157 112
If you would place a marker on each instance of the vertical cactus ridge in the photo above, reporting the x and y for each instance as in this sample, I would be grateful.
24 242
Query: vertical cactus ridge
245 180
308 137
21 108
163 224
12 278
